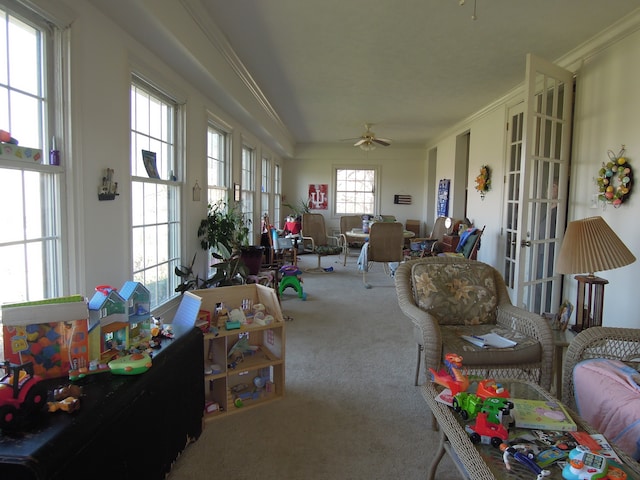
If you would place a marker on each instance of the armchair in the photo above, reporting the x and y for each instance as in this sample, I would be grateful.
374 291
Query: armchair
446 297
315 235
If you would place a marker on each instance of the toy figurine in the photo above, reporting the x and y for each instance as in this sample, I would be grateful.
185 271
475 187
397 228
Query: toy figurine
452 377
522 457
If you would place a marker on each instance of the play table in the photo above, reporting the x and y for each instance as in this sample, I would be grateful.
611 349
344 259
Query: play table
484 462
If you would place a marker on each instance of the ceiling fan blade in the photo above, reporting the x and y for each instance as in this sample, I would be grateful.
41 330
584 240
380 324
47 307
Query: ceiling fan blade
382 141
361 142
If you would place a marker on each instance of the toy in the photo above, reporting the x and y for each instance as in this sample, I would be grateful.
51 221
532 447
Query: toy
291 278
69 405
489 388
523 458
20 392
486 432
133 364
452 377
584 465
467 405
498 410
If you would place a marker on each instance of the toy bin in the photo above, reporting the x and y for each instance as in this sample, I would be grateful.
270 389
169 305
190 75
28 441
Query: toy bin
53 334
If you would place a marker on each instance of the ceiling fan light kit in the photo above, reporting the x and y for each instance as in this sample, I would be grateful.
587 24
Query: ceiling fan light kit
368 140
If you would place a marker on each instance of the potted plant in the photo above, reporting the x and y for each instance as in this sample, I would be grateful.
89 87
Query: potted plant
225 232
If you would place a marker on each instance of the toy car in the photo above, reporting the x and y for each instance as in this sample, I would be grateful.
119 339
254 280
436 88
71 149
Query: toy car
467 405
498 410
489 388
20 393
486 432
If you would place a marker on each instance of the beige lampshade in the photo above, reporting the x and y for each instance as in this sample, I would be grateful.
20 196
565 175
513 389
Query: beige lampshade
589 246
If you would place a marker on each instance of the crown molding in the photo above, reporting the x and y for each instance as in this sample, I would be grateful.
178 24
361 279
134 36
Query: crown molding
212 32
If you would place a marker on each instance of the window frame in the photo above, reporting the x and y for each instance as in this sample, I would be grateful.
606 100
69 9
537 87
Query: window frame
375 203
46 234
247 187
224 150
169 168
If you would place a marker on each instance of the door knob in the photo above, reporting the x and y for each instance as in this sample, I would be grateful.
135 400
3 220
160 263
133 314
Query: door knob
525 243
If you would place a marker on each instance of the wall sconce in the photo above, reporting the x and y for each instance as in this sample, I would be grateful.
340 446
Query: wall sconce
196 192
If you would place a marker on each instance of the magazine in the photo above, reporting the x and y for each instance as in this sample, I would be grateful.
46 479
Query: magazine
489 340
543 415
149 160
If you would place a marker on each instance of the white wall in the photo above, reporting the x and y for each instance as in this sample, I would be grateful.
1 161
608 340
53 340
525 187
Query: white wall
102 59
606 116
402 172
606 106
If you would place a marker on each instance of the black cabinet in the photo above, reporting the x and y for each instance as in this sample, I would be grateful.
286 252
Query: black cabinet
129 427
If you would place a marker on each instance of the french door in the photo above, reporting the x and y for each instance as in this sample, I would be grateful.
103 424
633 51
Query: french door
537 171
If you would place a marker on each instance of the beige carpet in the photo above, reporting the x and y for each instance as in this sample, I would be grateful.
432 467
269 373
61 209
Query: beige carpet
350 409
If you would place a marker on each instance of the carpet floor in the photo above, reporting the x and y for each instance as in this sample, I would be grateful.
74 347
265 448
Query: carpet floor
350 409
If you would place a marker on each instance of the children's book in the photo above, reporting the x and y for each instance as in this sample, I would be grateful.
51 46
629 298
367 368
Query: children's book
489 340
542 415
445 397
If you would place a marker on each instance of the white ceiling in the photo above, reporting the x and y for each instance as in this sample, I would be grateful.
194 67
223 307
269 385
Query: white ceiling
412 67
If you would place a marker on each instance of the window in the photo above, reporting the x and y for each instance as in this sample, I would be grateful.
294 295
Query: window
277 196
247 180
31 252
155 202
355 190
265 185
217 165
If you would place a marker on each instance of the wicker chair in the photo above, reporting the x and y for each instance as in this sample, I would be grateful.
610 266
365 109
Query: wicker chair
599 342
314 235
610 343
446 297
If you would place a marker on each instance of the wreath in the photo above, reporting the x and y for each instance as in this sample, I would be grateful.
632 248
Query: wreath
615 179
483 181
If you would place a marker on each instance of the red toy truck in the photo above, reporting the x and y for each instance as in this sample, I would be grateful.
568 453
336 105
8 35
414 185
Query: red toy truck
20 393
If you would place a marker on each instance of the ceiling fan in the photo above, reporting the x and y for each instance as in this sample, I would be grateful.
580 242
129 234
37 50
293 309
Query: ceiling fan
369 141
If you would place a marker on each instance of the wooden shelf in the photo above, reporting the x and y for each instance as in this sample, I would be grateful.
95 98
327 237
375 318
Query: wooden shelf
232 388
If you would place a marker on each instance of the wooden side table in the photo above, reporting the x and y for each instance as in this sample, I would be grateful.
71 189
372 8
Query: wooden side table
561 340
450 243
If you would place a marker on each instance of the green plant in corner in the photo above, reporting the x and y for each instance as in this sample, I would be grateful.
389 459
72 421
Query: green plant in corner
224 232
299 208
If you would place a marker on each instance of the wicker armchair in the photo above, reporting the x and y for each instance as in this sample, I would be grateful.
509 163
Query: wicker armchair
599 342
385 246
316 240
446 297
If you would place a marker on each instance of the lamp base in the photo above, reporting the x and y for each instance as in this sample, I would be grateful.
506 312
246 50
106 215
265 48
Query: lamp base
589 306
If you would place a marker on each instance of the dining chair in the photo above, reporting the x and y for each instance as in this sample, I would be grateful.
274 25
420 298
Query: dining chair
316 240
385 245
347 224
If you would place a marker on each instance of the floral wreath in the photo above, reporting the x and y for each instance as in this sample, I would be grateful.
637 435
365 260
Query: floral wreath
483 181
615 179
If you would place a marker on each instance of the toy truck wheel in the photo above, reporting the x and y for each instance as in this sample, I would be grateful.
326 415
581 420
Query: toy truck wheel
8 415
464 414
456 405
475 437
495 442
35 399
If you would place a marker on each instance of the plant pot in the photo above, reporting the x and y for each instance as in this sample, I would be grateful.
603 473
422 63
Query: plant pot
252 258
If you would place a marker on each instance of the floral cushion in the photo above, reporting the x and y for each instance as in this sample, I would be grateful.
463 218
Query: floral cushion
327 250
456 294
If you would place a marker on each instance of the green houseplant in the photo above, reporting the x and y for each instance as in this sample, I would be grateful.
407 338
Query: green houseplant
224 232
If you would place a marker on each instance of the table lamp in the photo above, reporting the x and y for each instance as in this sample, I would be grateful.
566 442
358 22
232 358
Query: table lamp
589 246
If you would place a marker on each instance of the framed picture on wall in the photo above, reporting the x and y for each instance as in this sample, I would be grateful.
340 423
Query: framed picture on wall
318 197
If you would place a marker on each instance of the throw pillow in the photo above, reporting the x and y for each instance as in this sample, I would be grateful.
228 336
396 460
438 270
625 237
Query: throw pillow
456 293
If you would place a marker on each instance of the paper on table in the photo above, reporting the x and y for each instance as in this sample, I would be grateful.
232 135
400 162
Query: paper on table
492 340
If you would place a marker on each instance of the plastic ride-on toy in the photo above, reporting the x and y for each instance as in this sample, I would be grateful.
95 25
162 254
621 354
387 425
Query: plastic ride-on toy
20 393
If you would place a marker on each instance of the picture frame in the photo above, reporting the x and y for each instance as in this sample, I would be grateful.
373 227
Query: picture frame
149 160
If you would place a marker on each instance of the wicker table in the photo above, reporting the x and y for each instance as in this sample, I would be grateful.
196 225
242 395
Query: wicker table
480 462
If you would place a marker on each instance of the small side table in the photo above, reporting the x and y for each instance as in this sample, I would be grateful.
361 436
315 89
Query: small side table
561 340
